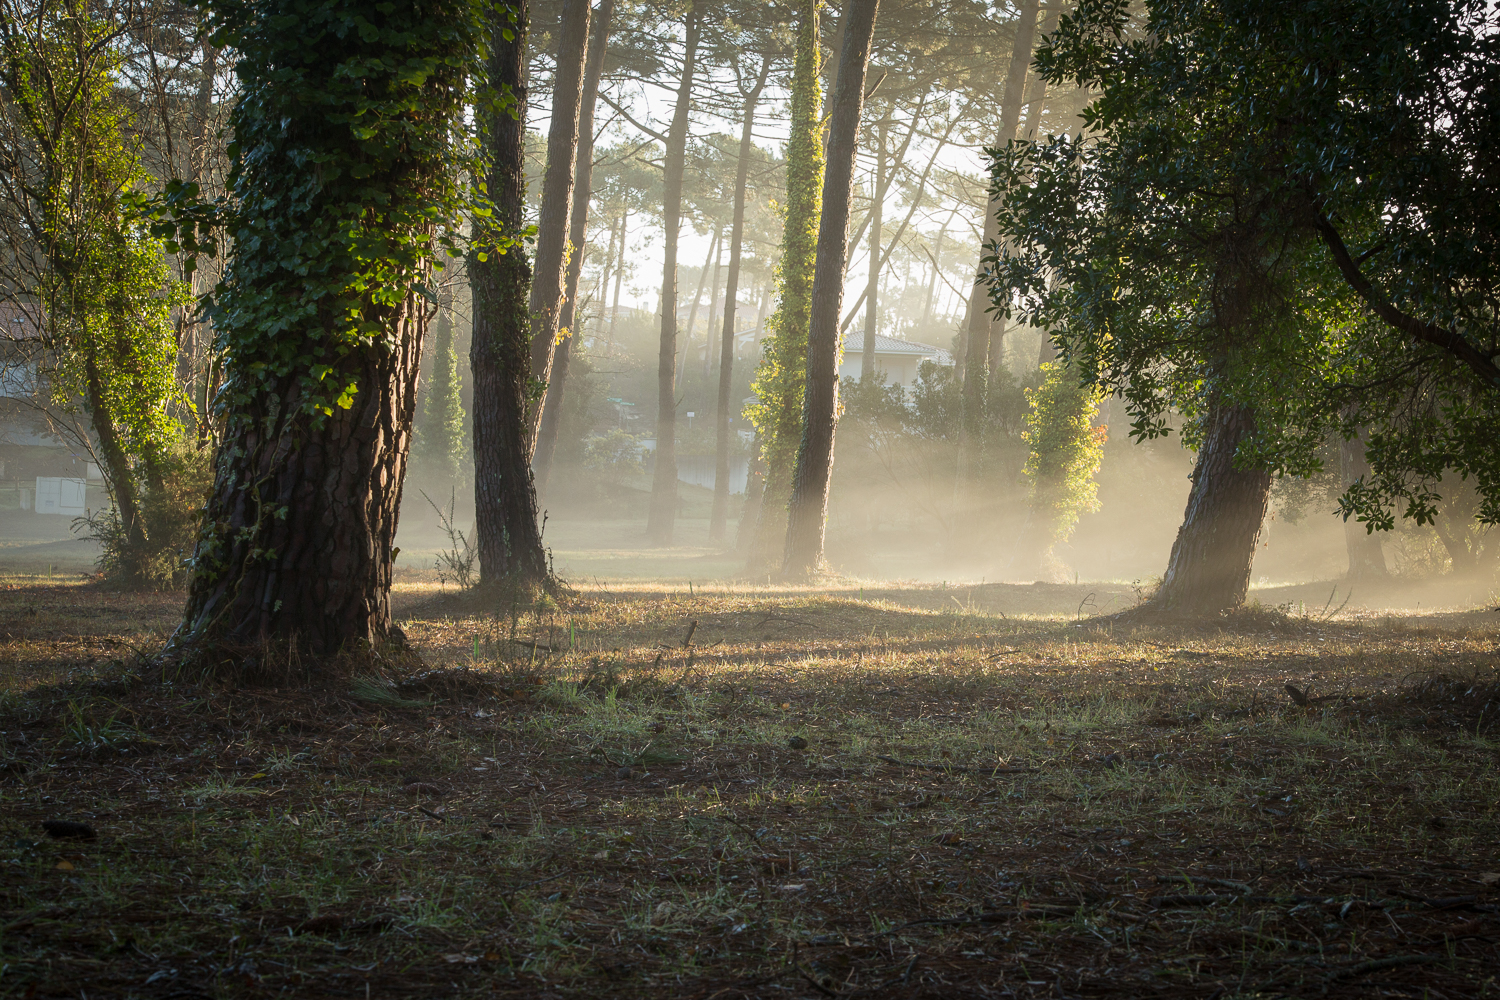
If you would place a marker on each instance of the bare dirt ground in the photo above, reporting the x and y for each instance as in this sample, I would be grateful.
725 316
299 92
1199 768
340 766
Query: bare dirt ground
849 791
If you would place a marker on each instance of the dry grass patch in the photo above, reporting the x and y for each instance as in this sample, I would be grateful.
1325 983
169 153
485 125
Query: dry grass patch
768 794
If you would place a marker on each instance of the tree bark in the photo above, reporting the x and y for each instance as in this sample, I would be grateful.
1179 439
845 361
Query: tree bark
979 325
872 287
718 518
781 376
548 280
578 218
807 512
1209 570
663 512
1366 557
509 540
294 555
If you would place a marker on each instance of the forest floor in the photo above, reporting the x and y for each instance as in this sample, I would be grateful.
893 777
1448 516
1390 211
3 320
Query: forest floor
758 792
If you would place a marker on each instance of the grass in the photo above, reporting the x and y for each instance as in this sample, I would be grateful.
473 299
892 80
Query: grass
872 792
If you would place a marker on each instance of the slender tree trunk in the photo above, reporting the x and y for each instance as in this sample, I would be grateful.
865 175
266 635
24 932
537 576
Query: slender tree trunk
663 511
979 326
614 312
718 518
911 210
549 279
807 513
578 219
1036 94
782 374
937 270
713 249
601 323
505 511
713 307
872 287
1209 570
755 483
115 462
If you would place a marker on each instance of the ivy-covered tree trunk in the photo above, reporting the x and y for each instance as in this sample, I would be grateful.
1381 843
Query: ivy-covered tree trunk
509 540
779 379
1209 570
548 284
718 518
578 218
807 513
663 511
321 317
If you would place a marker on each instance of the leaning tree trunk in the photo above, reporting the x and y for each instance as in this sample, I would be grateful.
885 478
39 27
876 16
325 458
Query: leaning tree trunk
578 217
718 518
294 556
807 513
978 328
1209 570
548 282
663 512
509 540
782 373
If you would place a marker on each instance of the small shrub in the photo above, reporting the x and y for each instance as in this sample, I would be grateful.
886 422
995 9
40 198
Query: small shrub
171 508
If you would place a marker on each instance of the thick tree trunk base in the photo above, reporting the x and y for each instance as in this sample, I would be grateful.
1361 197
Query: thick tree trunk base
1209 570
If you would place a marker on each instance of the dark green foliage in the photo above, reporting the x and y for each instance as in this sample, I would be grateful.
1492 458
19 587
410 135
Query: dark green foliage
1281 206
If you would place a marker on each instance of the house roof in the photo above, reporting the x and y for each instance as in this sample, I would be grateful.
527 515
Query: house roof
854 343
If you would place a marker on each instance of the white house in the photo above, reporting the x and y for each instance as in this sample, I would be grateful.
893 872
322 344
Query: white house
897 359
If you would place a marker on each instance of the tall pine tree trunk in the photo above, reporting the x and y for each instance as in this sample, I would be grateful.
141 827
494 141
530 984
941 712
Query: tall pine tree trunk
718 518
782 374
663 512
614 310
578 219
1209 570
978 328
807 512
294 556
872 287
713 305
548 283
509 539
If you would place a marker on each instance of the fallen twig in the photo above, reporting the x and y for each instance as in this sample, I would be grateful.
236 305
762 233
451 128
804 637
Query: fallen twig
956 767
1222 883
1376 965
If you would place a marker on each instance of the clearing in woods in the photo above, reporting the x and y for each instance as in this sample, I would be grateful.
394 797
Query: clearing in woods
917 792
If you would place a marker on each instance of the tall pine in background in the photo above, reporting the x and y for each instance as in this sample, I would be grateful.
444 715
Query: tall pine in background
442 444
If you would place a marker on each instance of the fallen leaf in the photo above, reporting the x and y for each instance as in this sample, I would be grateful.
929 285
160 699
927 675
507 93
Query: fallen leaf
64 866
948 839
